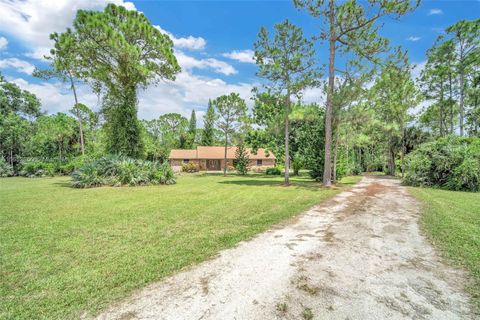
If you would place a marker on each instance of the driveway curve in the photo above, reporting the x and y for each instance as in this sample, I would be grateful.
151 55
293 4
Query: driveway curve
359 255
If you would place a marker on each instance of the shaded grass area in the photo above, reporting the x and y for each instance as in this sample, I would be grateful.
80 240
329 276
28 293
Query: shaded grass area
68 252
451 219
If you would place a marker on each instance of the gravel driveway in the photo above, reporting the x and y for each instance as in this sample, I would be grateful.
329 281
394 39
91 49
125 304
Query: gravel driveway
359 255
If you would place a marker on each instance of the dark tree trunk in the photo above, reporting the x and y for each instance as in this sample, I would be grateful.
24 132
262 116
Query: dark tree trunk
327 170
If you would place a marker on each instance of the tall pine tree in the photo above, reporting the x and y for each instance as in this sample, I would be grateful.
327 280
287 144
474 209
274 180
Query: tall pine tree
208 134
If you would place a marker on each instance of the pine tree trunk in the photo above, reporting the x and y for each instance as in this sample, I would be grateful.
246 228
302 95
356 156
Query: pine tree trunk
327 170
225 156
441 109
462 80
451 103
462 111
403 152
79 119
287 141
335 153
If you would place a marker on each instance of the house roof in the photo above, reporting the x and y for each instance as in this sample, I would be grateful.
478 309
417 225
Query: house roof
183 154
207 152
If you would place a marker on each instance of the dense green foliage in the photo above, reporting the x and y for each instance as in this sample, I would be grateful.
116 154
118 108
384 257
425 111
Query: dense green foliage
274 171
452 221
6 170
208 133
95 246
451 163
120 170
241 159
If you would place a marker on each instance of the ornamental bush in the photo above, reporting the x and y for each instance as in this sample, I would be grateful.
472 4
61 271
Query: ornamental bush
190 167
119 171
273 171
35 168
6 170
451 163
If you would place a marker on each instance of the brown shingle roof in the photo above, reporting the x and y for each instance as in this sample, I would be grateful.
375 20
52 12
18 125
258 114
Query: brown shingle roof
203 152
183 154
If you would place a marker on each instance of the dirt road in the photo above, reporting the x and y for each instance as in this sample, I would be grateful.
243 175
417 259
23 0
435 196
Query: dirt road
358 256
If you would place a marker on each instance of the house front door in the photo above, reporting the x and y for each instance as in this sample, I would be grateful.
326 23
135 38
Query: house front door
213 164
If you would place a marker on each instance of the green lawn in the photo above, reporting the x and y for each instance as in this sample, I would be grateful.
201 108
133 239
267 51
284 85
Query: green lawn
66 251
452 221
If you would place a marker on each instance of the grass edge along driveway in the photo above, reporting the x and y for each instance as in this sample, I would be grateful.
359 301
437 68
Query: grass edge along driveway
451 220
66 253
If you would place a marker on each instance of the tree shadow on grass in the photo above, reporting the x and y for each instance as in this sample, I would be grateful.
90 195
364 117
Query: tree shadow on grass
272 183
64 184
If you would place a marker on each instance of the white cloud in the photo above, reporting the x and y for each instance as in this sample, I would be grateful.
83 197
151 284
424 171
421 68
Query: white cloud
413 38
432 12
417 69
242 56
38 53
190 42
55 97
3 43
19 65
181 96
32 21
187 92
188 63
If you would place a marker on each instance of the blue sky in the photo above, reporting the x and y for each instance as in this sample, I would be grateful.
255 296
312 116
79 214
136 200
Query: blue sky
213 41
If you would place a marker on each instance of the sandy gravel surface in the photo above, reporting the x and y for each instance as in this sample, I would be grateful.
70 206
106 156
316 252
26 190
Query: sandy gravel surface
359 255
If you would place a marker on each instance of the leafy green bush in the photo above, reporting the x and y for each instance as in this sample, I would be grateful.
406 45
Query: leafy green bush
190 167
242 162
38 169
452 163
67 168
6 170
119 170
273 171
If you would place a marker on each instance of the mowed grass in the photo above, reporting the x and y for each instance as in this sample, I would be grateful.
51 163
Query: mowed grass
452 221
66 253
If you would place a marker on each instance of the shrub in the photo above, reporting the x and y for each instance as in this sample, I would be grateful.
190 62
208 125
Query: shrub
273 171
452 163
241 160
257 169
190 167
70 166
6 170
33 169
119 170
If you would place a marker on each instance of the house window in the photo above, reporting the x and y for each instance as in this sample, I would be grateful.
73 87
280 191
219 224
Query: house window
259 162
186 160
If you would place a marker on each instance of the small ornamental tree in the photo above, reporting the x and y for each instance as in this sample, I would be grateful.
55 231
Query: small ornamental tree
118 52
241 159
231 110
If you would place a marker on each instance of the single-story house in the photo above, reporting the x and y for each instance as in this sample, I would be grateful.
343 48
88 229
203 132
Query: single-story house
211 158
